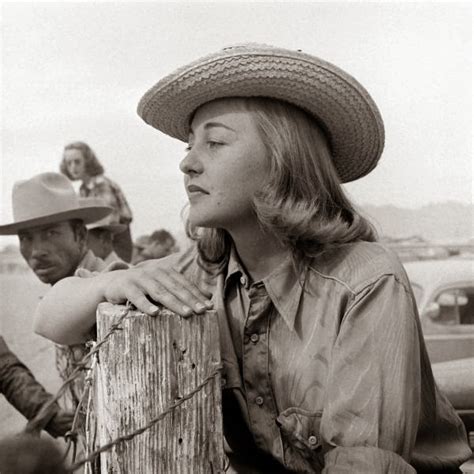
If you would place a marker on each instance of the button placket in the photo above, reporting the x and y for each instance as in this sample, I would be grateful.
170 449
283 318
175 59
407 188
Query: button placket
257 384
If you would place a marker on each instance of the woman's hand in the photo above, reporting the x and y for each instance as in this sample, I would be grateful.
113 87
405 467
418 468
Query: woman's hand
149 282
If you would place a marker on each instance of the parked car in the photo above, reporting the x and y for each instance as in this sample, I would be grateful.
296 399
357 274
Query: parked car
444 292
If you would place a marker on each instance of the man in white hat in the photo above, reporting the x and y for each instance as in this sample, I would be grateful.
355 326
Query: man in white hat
100 238
50 221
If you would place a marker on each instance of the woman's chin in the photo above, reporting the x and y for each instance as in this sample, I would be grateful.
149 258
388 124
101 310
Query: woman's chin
200 220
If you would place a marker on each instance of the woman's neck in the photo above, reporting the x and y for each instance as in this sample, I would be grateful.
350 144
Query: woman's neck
259 251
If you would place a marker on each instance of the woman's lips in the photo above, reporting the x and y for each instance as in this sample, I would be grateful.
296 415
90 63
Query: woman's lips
192 188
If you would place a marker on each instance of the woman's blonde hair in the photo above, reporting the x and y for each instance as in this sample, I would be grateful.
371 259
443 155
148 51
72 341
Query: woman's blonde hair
303 203
92 165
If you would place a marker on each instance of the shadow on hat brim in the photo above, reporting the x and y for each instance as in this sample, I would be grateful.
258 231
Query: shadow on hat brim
86 214
113 228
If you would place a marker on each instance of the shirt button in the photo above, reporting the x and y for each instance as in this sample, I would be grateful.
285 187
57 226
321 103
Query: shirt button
259 401
254 338
312 440
243 280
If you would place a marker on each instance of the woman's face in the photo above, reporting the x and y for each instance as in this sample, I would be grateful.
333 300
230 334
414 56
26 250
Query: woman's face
225 165
75 163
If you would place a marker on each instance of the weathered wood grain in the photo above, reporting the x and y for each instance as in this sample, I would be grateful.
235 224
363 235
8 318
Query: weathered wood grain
143 368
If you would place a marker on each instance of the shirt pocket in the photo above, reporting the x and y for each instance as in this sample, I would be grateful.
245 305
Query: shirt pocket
300 430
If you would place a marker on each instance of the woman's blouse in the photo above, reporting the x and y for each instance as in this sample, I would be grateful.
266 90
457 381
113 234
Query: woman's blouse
106 189
328 371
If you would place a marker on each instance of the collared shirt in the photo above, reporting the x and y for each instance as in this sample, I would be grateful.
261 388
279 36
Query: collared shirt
328 371
106 189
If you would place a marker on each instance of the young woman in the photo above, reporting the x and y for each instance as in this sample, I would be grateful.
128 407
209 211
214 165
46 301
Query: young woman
324 361
79 162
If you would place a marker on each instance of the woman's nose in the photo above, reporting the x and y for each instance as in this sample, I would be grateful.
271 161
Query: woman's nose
191 163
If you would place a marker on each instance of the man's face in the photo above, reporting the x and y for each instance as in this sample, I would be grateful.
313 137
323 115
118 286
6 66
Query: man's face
100 241
53 251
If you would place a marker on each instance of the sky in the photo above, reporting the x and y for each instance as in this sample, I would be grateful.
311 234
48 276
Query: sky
76 71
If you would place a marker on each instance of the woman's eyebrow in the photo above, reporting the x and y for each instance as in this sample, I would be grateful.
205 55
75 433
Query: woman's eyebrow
217 124
209 125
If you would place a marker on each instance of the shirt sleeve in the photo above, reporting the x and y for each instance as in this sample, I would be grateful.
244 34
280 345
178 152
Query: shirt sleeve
121 203
19 386
371 413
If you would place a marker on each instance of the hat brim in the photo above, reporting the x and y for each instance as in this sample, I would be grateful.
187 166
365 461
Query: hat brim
335 99
113 228
86 214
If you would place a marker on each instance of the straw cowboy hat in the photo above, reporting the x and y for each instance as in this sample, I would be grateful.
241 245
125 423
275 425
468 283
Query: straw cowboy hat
48 198
338 102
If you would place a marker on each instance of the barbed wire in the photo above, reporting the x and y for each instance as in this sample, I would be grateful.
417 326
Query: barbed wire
148 425
37 423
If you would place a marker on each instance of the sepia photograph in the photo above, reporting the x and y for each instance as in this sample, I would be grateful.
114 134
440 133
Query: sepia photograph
236 237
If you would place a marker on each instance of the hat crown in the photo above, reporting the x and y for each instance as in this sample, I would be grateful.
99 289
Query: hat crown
44 194
339 104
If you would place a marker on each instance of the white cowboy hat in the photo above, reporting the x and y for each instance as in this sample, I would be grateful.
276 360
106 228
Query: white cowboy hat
339 103
108 222
48 198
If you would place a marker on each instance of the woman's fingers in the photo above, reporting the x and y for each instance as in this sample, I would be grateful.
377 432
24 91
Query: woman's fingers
167 287
136 296
201 293
155 269
179 296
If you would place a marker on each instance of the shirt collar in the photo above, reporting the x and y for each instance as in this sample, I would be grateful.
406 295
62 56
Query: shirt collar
234 269
283 285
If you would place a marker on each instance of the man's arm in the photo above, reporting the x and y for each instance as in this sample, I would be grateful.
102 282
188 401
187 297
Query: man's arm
26 394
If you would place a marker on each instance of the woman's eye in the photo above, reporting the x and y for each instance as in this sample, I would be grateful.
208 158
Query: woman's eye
214 144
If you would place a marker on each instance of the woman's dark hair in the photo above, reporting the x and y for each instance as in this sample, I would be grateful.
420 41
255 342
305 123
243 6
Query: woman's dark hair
92 165
303 202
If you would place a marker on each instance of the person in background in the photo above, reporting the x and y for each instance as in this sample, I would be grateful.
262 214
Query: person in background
100 239
140 244
79 162
50 221
325 368
161 244
28 396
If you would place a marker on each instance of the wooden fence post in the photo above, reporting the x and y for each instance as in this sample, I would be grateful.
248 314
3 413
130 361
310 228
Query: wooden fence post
143 368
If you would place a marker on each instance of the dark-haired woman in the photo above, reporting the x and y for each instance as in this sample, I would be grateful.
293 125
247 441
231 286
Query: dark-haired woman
79 162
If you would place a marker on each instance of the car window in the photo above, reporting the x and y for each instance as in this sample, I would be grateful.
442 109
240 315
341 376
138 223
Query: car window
456 306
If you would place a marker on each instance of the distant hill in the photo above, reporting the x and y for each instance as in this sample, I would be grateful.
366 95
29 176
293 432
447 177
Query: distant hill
442 221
